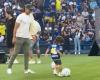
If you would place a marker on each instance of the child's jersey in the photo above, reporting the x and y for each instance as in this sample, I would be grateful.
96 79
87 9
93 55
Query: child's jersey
53 50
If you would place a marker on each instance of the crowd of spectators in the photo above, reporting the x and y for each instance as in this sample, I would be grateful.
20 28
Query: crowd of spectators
65 17
59 17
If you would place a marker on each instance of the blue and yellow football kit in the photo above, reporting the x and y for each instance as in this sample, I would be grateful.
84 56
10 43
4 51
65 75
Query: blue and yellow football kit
54 53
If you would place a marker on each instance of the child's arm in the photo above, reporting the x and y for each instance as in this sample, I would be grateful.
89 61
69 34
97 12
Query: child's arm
59 52
47 51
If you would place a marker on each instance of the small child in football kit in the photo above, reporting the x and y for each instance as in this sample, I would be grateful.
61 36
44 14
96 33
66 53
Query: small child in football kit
54 50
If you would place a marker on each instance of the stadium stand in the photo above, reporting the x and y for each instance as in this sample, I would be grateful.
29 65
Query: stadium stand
59 16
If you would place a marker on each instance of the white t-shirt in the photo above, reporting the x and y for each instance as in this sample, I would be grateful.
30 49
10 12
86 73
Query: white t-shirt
38 26
24 21
77 35
34 28
70 3
85 14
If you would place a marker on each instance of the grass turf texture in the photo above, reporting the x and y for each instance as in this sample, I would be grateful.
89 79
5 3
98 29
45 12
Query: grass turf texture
82 67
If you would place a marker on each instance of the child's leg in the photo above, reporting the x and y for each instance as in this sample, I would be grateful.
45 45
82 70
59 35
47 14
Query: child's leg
53 66
58 68
57 61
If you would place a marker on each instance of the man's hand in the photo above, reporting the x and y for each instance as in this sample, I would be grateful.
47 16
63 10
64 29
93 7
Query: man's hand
34 37
14 32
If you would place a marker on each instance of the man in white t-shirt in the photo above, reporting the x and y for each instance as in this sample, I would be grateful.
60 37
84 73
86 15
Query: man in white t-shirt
21 38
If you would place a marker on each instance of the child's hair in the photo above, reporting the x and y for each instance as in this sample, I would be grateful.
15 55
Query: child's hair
59 40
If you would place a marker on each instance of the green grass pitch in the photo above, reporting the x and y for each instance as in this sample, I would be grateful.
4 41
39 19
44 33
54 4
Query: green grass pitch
82 67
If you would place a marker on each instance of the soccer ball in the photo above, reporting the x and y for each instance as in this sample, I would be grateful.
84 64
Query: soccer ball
66 72
53 65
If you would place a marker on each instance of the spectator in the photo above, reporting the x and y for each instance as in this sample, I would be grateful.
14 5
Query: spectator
93 4
52 6
85 14
67 38
58 15
87 25
84 5
80 20
64 5
86 37
92 18
77 41
58 5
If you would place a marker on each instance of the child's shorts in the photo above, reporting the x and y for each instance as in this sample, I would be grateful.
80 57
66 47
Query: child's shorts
56 59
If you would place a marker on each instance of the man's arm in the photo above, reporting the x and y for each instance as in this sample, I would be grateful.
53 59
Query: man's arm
14 32
15 29
17 24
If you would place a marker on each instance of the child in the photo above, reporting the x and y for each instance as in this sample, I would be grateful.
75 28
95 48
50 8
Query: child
55 55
